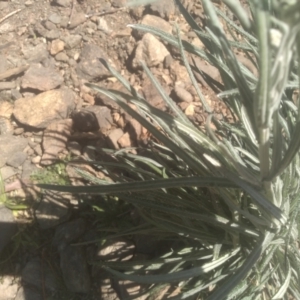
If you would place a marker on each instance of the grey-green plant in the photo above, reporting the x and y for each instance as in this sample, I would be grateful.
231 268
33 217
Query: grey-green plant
227 195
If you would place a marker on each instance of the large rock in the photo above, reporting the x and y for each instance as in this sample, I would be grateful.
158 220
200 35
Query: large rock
41 78
44 108
150 50
9 145
90 67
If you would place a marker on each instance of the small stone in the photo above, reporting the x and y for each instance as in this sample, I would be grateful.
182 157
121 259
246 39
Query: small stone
49 25
55 18
10 144
7 172
88 98
75 270
124 141
15 94
72 41
114 136
182 94
77 19
56 47
63 3
190 110
163 8
90 66
36 54
75 148
18 131
61 56
150 50
92 118
36 160
152 95
17 159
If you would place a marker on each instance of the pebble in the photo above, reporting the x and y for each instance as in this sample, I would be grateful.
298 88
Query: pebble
55 18
150 50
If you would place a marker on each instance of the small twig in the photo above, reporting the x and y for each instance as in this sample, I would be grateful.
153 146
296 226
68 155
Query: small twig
72 11
106 12
10 14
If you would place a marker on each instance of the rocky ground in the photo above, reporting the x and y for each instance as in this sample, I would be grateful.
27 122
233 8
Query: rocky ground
48 51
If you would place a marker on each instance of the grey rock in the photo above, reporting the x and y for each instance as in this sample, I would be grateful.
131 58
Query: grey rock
10 144
55 18
75 271
26 293
28 169
49 25
7 172
8 287
41 78
92 118
32 275
53 210
53 34
61 56
67 233
72 41
8 226
77 19
15 94
163 8
36 54
182 94
17 159
150 50
90 67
